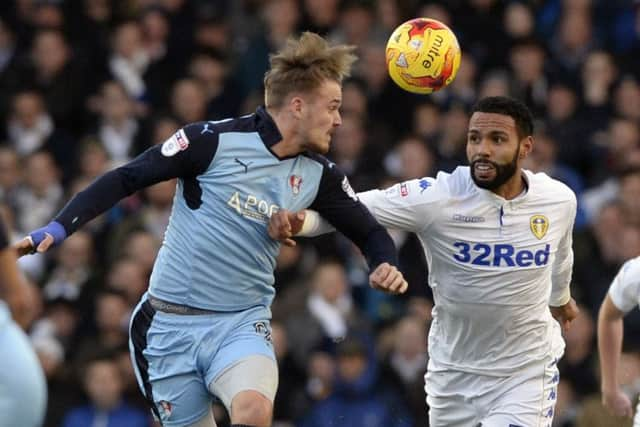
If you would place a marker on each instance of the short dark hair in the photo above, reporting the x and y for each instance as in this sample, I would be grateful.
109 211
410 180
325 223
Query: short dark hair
509 107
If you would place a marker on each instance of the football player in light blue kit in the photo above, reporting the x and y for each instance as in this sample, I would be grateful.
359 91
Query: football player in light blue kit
203 329
23 390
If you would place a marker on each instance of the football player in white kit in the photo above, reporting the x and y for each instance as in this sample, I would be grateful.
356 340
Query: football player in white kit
497 240
623 296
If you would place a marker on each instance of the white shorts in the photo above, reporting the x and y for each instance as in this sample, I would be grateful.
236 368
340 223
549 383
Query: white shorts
527 399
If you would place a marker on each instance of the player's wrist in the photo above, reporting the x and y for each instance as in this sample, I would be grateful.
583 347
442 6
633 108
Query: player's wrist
54 229
309 225
560 298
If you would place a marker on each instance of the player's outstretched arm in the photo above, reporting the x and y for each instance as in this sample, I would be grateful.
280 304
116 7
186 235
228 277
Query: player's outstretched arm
187 153
610 333
98 197
284 224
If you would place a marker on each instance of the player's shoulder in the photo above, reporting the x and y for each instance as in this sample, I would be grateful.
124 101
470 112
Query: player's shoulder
631 267
328 166
549 188
423 190
456 183
318 158
444 184
213 128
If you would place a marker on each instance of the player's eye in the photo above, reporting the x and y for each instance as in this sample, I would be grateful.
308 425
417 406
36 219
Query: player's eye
473 138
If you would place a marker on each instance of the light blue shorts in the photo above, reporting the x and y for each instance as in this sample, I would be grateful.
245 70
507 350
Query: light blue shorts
23 389
177 356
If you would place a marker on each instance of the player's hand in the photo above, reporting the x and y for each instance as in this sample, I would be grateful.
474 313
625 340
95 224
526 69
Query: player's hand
617 403
388 278
284 224
565 313
42 239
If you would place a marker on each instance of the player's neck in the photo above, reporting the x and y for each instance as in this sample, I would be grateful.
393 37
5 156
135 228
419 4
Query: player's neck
287 147
513 187
290 144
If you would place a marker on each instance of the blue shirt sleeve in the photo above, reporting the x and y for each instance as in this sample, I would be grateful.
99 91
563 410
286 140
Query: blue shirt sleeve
185 155
337 203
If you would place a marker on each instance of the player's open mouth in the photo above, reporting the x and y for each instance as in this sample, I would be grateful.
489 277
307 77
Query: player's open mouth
483 169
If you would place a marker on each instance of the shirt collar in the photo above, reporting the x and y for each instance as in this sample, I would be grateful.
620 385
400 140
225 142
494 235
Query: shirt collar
266 127
499 200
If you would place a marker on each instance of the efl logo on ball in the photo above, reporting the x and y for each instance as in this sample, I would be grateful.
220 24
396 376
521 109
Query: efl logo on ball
423 55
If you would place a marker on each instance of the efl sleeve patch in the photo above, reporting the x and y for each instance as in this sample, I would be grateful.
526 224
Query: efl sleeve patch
172 146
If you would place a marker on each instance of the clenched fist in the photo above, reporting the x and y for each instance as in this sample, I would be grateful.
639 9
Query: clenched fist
284 224
388 278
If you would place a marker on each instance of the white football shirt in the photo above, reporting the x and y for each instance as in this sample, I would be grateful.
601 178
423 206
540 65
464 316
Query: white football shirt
495 265
625 288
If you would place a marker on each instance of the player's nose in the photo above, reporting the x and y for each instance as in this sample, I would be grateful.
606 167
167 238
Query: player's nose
337 120
483 148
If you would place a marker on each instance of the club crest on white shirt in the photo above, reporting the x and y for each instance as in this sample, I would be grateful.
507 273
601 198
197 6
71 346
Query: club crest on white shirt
539 225
178 142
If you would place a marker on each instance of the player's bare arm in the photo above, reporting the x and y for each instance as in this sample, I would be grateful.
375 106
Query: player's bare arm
610 333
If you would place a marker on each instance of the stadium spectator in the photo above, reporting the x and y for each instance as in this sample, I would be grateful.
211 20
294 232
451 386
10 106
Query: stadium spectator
102 382
360 396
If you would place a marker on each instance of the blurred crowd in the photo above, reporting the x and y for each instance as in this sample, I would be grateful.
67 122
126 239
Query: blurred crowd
86 85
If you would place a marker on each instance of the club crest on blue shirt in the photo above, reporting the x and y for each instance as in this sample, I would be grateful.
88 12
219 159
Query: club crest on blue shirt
539 225
295 181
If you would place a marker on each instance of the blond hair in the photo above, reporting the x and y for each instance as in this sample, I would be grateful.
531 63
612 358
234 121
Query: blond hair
303 65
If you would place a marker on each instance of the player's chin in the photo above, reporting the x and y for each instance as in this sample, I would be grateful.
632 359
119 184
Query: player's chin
321 147
484 181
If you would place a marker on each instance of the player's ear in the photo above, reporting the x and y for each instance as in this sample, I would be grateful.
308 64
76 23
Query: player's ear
295 106
526 146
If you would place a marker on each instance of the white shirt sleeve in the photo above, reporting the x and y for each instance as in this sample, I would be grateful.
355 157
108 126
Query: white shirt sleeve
625 288
563 265
405 206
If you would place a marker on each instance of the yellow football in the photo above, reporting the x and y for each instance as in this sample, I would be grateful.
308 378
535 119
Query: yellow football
423 55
